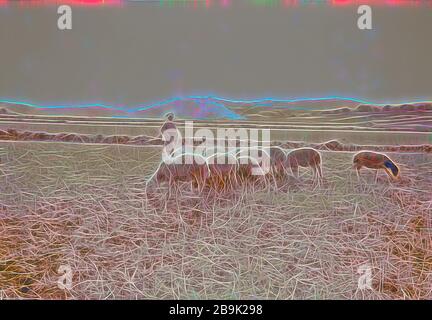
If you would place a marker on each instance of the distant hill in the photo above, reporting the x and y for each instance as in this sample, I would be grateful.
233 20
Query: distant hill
212 108
90 110
4 111
190 108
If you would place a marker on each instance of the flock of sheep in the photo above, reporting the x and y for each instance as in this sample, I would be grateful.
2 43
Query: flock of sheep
227 175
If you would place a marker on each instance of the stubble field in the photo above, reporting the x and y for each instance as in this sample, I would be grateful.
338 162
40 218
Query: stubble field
86 207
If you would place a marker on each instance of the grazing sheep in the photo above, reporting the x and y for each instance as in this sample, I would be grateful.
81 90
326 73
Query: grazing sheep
305 157
172 173
252 165
277 157
375 160
278 161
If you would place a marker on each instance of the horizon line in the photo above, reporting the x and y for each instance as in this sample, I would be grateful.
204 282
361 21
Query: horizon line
259 101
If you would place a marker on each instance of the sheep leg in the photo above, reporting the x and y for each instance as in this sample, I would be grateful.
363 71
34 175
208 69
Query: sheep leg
295 171
273 174
316 180
318 176
320 171
171 188
358 172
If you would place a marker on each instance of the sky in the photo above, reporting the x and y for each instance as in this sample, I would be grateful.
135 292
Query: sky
143 53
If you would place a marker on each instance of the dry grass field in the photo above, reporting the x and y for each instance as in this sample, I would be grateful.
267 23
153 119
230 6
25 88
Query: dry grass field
86 206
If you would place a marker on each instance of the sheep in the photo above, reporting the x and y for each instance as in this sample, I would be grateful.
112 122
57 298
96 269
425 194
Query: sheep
278 161
196 173
305 157
276 155
253 162
375 160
